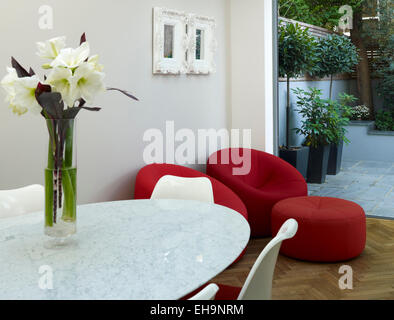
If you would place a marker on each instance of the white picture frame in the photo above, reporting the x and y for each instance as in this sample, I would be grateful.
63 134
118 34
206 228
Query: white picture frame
202 44
169 41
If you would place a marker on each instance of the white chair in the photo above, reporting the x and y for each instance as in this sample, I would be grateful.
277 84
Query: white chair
21 201
208 293
173 187
258 284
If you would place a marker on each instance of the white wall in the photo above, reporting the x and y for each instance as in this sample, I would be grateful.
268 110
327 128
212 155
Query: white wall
109 142
251 70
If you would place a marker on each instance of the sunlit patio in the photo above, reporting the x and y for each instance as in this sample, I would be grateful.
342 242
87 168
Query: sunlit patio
368 183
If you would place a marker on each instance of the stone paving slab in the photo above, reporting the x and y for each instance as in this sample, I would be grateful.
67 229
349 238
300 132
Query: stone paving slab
368 183
391 171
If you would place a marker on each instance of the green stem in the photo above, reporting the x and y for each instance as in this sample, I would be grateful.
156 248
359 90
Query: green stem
69 177
69 192
49 197
68 157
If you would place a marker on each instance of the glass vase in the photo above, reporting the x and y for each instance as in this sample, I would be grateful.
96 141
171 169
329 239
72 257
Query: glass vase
61 181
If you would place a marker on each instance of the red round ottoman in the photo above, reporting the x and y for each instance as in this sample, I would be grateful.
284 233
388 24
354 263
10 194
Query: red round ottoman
329 229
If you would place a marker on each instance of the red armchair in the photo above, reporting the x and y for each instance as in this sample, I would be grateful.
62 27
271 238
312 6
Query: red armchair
269 180
148 176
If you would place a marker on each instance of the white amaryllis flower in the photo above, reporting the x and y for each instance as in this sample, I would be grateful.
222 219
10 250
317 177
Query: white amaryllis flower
8 83
88 82
94 61
25 93
21 92
50 49
24 98
72 58
61 80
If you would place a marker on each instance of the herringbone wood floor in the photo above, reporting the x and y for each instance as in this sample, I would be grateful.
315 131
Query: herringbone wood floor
373 271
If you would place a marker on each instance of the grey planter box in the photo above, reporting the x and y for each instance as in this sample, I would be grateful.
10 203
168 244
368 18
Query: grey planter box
367 143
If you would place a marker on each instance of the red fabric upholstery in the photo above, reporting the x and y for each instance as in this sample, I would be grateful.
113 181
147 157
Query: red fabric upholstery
148 176
329 229
269 180
225 292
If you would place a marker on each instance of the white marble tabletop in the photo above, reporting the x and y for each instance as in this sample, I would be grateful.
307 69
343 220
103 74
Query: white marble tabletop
139 249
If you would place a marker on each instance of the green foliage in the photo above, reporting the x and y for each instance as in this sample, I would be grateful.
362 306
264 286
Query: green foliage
346 102
348 110
385 87
302 10
336 54
296 50
380 34
314 125
376 33
340 113
321 13
323 120
384 120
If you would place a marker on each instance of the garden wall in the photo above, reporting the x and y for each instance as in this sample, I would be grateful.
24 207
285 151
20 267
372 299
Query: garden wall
368 144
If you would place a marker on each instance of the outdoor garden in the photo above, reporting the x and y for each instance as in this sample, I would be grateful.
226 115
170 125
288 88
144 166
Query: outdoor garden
336 97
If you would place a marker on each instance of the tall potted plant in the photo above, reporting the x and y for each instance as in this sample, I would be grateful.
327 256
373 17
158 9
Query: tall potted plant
316 127
341 112
335 54
296 57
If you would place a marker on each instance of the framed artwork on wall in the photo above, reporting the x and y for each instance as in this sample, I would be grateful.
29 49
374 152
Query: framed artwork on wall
183 43
202 45
169 41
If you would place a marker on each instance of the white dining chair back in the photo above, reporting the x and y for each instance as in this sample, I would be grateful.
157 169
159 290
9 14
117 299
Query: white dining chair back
208 293
179 188
258 284
21 201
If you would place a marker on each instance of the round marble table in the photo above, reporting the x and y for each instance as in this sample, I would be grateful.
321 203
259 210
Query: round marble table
139 249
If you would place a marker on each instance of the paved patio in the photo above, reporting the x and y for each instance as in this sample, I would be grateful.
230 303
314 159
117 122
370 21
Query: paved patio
368 183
